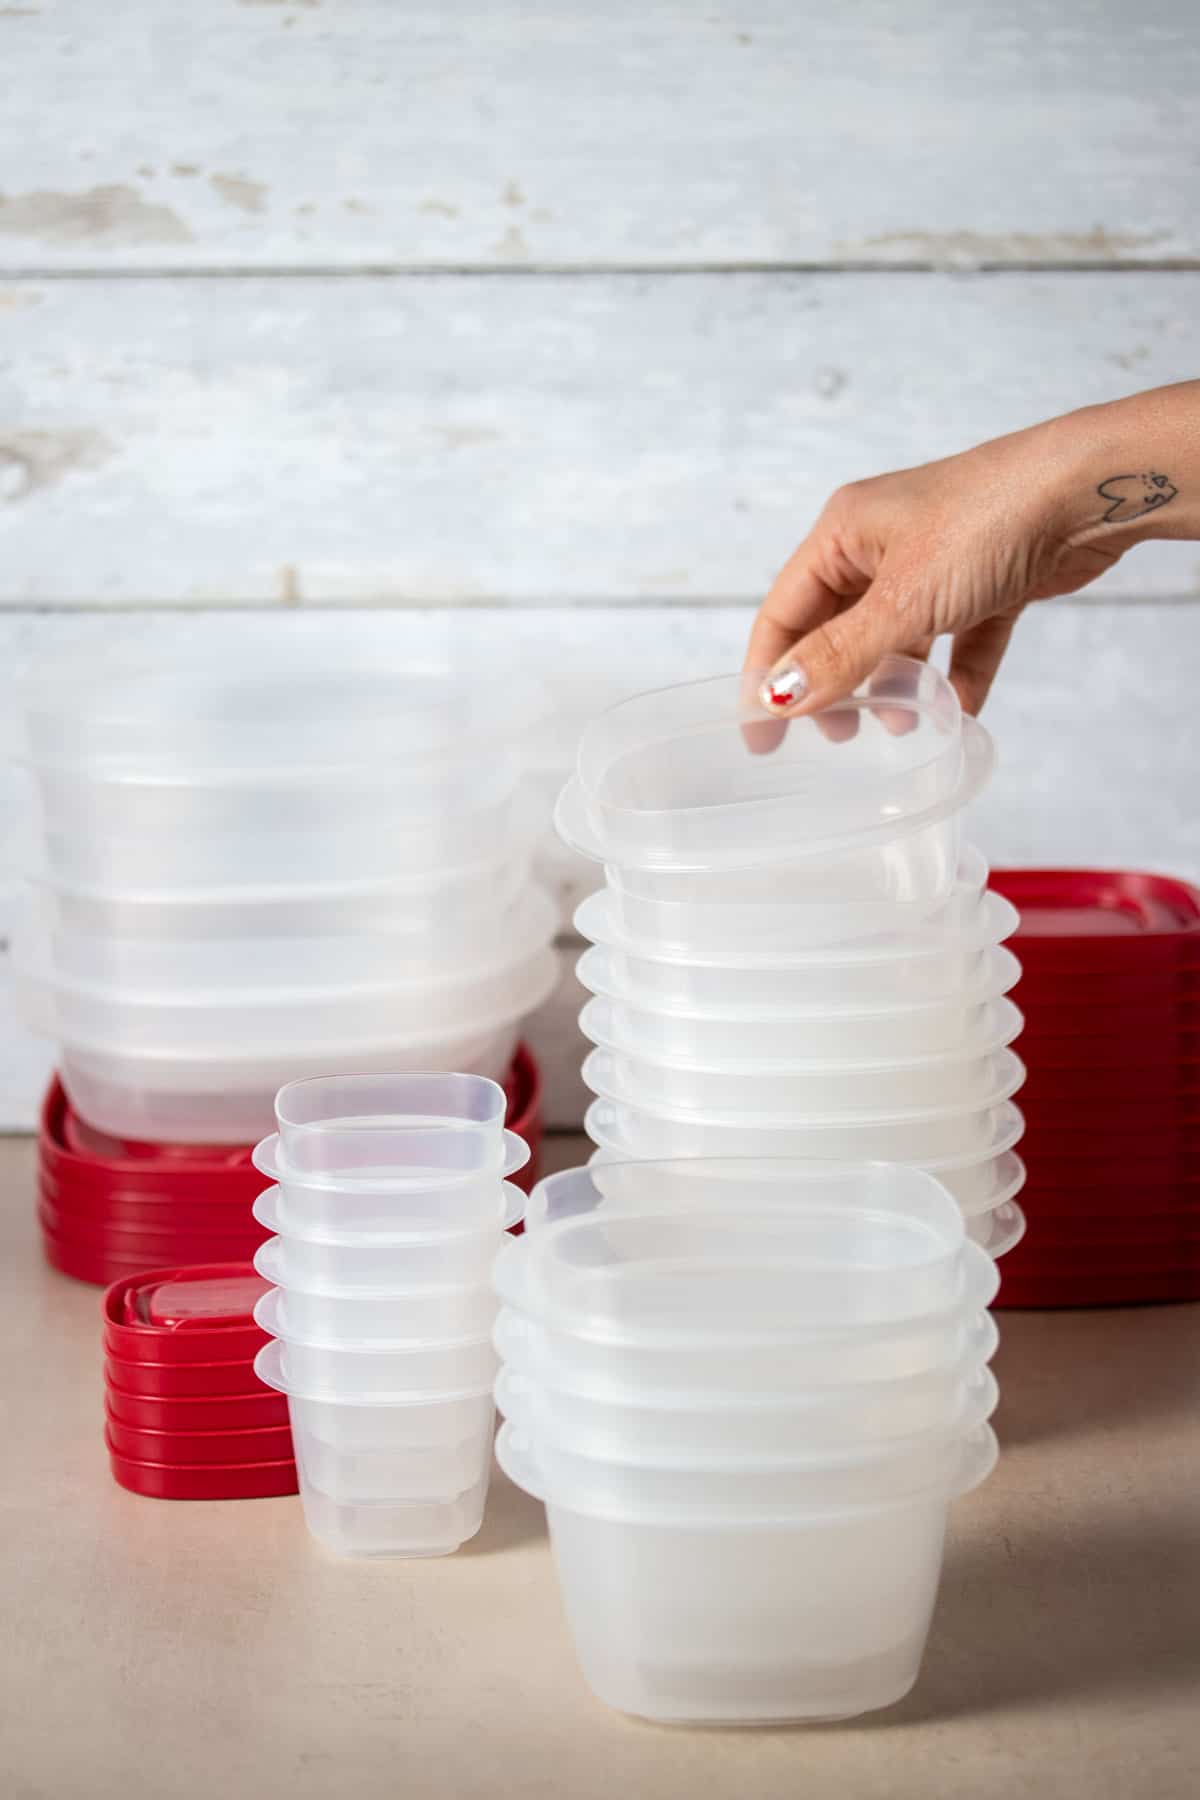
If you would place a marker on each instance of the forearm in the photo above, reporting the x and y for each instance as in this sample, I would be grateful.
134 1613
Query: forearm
1129 470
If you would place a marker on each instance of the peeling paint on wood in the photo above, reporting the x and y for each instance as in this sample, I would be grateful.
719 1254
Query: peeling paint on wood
111 216
34 460
972 249
238 190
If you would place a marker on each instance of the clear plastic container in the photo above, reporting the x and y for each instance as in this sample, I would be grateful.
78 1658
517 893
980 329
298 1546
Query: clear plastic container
691 1435
740 909
428 1448
180 836
204 1020
744 1275
632 1021
395 1528
229 1098
154 711
695 770
347 953
428 1196
910 858
886 1364
817 1615
905 1092
357 1317
366 1263
371 1373
871 976
397 1129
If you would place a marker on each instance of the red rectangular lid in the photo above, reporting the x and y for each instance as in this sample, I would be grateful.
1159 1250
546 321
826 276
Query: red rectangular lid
1077 903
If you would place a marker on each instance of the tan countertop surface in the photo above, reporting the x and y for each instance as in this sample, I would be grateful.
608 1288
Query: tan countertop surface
192 1650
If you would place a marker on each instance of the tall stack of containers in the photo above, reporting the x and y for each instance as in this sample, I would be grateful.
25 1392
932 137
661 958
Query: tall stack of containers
1111 994
254 872
747 1393
795 952
390 1203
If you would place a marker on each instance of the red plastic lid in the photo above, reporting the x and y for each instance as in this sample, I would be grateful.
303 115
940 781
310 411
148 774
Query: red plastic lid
184 1380
1115 1287
227 1412
524 1091
177 1170
150 1315
197 1449
85 1140
87 1210
155 1246
1097 903
165 1481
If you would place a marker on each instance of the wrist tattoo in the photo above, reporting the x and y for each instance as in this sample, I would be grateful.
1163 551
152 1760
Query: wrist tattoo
1131 496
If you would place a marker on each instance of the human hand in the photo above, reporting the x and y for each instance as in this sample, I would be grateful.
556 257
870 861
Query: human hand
962 546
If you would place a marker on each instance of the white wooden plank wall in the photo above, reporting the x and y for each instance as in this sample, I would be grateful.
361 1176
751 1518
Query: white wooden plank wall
544 332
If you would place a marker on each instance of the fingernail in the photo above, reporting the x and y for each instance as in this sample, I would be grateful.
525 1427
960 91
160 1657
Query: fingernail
783 689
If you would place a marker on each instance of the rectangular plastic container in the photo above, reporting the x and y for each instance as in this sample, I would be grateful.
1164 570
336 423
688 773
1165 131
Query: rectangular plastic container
348 1264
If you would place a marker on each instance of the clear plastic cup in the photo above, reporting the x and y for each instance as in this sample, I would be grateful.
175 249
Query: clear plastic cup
819 1423
434 1192
776 1361
732 910
745 1273
344 951
816 1615
386 1478
359 1317
229 1098
867 977
202 1021
696 771
351 1262
904 1092
629 1020
371 1373
980 1177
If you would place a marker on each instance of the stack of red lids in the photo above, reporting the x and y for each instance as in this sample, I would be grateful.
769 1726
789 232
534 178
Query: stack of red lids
109 1207
1111 997
186 1417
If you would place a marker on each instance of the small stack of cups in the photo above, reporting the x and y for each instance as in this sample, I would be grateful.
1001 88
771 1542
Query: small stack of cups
250 871
1111 994
795 952
186 1417
390 1203
747 1393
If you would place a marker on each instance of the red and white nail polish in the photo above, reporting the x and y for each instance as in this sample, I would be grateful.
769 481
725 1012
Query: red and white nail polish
784 688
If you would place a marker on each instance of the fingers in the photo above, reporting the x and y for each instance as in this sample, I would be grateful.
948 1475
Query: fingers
833 660
975 657
799 601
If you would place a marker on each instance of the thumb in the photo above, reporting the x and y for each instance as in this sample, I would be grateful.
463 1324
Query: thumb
834 660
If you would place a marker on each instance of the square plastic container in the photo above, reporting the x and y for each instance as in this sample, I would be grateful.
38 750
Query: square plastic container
357 1317
812 1616
431 1193
394 1371
359 1126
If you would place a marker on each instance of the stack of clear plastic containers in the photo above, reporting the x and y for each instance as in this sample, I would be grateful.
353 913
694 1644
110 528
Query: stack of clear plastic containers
390 1203
795 952
251 874
747 1392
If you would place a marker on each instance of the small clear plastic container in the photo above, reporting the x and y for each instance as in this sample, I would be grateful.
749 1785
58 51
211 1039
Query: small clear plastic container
740 909
696 771
629 1020
781 1099
915 857
429 1196
390 1528
813 1615
352 1262
374 1372
358 1317
693 1435
347 953
756 1376
229 1098
869 978
203 1021
749 1273
395 1128
427 1448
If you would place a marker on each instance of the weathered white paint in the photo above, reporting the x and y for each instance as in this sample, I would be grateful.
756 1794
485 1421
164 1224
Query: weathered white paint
545 438
1094 714
655 132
